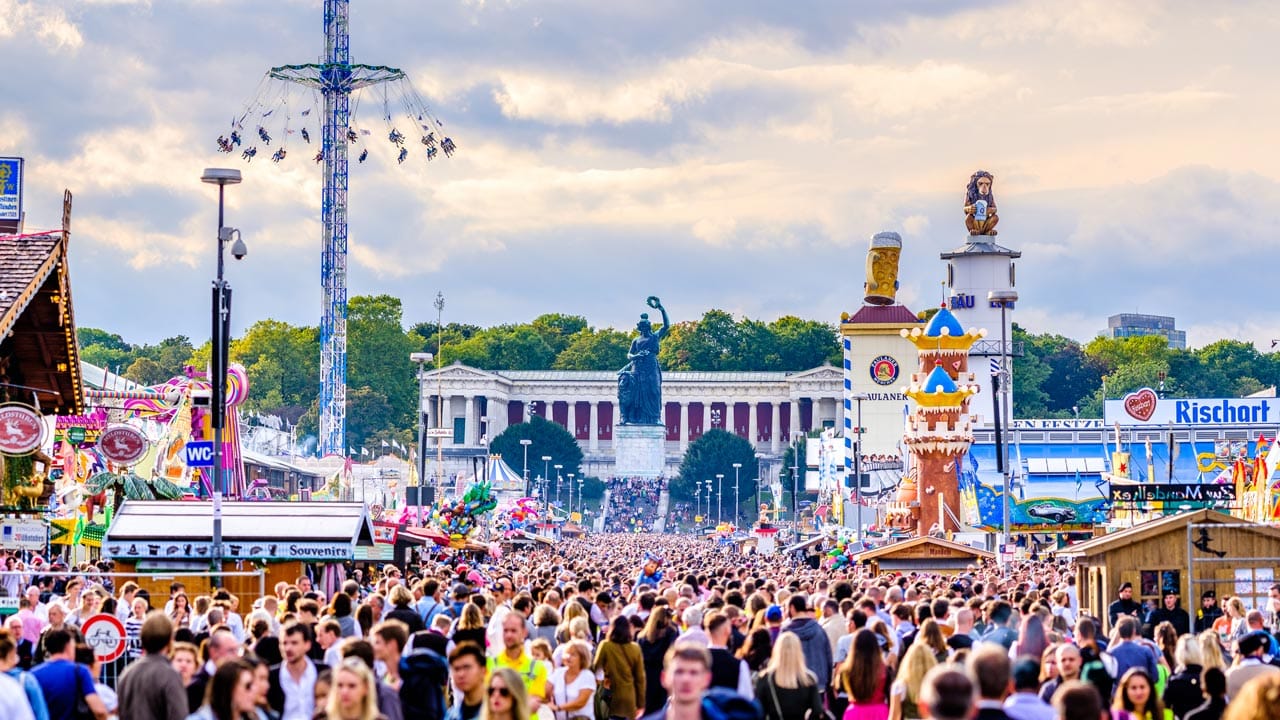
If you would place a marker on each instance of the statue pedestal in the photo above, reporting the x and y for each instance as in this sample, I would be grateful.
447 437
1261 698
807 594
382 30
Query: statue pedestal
639 450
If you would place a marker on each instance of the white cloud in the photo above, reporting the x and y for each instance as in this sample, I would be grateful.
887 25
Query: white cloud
48 24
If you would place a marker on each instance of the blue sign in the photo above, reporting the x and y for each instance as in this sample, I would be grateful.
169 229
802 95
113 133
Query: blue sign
10 188
200 454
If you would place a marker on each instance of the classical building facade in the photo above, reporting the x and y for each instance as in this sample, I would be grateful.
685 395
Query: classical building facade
768 408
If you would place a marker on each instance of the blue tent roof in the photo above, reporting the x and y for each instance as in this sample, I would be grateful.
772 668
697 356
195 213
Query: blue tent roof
943 319
939 381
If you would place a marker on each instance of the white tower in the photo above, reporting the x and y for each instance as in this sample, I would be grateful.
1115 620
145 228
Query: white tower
973 270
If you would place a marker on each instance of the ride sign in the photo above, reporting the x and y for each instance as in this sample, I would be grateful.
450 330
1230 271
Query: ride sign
122 444
21 429
105 634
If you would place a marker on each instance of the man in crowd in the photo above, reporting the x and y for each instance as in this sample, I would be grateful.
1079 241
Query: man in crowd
1208 612
813 641
65 683
686 675
515 656
1025 702
222 645
293 682
947 694
1128 652
727 671
1250 664
1169 611
1124 604
1002 620
989 666
466 670
150 687
1069 664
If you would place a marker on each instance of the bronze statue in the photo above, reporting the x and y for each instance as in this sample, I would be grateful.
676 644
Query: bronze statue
980 205
640 382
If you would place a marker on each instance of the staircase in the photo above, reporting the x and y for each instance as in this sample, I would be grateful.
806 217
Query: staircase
664 504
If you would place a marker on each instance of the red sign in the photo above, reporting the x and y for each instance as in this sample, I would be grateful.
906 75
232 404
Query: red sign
1141 405
122 444
21 430
105 634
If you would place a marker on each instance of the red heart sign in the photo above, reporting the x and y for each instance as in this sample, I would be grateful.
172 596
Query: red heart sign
1141 405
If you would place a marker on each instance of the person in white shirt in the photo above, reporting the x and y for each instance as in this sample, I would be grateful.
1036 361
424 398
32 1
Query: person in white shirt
1025 702
13 700
328 634
294 680
692 619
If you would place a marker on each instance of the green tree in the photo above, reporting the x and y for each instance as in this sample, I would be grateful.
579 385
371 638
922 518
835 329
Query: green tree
368 411
283 365
94 336
505 347
555 329
424 335
146 371
378 356
804 344
547 438
594 350
1029 376
714 454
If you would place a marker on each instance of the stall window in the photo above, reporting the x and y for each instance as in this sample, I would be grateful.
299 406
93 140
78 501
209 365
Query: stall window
1252 585
1153 585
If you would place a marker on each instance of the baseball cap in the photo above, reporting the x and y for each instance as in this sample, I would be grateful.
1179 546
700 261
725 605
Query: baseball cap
461 590
773 614
1253 642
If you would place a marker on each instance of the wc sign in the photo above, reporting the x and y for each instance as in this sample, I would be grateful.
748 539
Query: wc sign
200 454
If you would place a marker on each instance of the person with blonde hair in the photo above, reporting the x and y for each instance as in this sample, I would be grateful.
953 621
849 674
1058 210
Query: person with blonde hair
572 688
1182 692
505 697
1211 654
931 635
904 694
787 689
572 611
354 694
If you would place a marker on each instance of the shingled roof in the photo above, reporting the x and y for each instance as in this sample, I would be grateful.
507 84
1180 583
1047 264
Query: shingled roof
38 350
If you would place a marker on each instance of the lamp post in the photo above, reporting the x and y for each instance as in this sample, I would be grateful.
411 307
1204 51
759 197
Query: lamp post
708 499
1005 299
222 177
582 508
525 443
570 475
719 498
421 359
737 502
546 479
558 480
857 465
439 305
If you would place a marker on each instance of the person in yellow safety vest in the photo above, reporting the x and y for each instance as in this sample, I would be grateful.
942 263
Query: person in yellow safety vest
515 657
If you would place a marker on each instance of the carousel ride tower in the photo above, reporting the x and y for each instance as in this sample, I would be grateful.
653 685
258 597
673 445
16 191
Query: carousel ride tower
940 431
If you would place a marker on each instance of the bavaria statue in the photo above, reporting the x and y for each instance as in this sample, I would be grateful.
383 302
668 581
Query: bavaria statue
640 382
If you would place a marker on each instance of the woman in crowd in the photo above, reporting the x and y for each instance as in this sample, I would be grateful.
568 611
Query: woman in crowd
261 684
1031 638
1136 695
470 627
1182 693
904 694
402 601
757 650
545 620
887 640
619 658
340 610
1211 654
1049 665
229 695
183 657
931 635
787 690
1214 681
506 698
572 610
572 688
1062 607
1259 699
654 641
865 677
9 666
353 695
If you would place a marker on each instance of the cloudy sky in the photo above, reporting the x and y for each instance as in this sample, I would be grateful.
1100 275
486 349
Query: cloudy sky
732 154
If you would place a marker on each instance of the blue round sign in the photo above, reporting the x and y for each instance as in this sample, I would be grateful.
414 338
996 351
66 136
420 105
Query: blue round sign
884 370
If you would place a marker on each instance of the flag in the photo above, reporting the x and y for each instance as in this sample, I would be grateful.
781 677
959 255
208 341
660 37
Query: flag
306 112
385 444
351 451
364 452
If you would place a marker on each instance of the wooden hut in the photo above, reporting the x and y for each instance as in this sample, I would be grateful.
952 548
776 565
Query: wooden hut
1190 552
162 538
924 555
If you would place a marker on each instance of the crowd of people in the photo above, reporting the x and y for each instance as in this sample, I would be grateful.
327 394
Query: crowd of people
630 626
633 504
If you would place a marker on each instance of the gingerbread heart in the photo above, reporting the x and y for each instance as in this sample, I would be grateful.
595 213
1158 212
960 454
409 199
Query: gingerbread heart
1141 405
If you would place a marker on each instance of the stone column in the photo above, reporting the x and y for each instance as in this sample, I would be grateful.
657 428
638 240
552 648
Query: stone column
776 431
471 435
684 426
593 432
706 416
795 418
571 419
446 417
753 426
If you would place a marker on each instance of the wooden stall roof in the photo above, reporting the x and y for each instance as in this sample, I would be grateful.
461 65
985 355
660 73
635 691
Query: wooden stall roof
924 547
180 521
1154 528
38 346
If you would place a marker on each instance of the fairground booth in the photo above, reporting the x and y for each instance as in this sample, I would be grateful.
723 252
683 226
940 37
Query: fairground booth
276 540
1188 553
926 554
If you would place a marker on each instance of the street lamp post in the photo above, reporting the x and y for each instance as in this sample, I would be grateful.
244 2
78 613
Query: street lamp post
525 443
558 480
570 475
582 508
421 359
1005 299
857 465
719 498
708 499
219 341
737 502
439 305
546 480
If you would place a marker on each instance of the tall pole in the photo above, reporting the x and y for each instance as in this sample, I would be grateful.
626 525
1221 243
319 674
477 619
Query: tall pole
1005 298
559 480
719 498
857 467
737 502
571 495
525 443
439 303
218 360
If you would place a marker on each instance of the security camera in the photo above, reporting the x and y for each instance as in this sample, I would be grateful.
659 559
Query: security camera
201 399
238 248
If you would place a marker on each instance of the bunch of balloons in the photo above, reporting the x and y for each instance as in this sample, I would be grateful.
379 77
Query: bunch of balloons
459 519
839 556
522 514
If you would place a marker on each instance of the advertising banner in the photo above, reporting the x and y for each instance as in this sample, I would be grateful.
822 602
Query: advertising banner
1145 408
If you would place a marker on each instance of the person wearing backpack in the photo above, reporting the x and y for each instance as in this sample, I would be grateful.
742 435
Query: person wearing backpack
1096 666
430 605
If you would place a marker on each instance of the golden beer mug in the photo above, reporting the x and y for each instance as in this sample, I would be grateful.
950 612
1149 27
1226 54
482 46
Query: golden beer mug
881 287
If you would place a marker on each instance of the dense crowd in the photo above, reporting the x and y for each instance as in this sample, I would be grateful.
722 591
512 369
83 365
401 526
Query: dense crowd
633 504
636 625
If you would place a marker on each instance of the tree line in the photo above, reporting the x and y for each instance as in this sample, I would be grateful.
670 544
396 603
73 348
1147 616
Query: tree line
1056 377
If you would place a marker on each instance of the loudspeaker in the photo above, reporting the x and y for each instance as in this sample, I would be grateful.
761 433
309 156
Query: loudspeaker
411 495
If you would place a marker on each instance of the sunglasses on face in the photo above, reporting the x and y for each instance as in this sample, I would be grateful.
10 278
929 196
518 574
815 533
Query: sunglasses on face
500 691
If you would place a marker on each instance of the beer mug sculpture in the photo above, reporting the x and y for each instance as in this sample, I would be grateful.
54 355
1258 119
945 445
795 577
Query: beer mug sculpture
881 287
